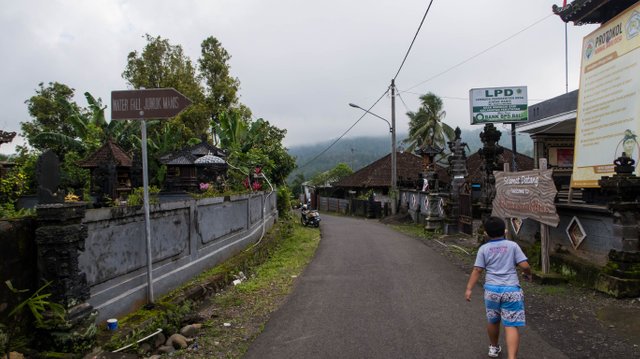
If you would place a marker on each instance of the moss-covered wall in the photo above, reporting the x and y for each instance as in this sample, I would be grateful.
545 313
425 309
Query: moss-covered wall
17 260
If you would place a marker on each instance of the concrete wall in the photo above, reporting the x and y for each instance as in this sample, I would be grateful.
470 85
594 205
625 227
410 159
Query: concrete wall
597 223
187 237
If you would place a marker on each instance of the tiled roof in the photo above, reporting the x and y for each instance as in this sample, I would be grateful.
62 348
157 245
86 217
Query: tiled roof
409 166
591 11
378 173
109 152
474 162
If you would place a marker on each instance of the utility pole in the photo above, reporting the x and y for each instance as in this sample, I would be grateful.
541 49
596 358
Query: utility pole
394 175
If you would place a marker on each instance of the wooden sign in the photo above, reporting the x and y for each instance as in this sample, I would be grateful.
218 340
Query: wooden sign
526 194
147 104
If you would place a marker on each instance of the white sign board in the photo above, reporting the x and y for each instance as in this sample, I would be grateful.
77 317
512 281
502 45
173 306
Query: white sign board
608 119
498 104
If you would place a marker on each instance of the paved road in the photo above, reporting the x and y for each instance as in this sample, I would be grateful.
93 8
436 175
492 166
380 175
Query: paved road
371 292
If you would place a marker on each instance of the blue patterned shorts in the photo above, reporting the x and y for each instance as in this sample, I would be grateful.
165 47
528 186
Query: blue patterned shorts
506 304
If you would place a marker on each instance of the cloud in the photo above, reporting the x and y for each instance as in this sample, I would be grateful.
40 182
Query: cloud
299 63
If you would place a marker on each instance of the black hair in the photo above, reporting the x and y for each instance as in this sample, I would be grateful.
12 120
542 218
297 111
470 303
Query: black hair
494 226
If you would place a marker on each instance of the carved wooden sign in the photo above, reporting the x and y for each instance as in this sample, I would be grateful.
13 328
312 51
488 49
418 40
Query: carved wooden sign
526 194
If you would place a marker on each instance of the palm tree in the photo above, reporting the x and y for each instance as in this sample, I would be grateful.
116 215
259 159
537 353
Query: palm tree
426 126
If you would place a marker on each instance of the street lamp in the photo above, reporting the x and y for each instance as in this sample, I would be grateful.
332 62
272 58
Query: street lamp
394 176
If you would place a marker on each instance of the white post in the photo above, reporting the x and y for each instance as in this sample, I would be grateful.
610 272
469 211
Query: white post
544 233
147 222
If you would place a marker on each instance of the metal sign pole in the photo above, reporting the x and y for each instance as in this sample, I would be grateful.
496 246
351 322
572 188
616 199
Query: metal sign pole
147 222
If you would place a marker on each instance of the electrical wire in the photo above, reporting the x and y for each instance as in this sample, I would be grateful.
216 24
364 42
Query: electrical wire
345 132
404 103
480 53
414 39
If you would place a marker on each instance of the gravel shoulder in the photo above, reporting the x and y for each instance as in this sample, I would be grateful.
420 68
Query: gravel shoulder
582 322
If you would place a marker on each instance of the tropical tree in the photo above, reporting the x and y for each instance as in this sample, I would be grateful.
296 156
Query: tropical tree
340 171
221 90
52 110
163 65
89 130
426 126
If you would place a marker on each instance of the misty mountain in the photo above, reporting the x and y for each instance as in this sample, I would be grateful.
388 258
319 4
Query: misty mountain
359 152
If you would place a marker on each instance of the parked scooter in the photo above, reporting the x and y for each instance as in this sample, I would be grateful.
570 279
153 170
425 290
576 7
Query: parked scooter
309 217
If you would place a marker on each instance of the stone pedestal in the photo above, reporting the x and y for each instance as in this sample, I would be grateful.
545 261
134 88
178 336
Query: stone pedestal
434 213
59 237
621 276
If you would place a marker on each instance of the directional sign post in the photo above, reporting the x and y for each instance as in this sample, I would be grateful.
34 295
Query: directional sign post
144 105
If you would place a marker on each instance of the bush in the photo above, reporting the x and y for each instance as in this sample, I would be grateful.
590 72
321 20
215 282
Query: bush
137 195
284 202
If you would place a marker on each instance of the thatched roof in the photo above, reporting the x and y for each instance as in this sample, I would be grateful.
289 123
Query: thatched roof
109 152
188 156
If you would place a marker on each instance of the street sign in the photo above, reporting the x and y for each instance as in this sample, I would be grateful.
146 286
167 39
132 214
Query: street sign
147 104
498 104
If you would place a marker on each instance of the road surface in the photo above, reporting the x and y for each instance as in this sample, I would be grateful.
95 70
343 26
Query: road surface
371 292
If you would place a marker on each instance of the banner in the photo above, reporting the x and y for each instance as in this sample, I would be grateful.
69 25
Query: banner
608 117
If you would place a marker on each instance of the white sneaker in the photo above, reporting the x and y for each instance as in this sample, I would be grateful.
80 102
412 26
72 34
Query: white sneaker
494 351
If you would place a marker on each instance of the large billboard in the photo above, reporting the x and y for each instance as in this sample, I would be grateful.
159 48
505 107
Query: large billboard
498 104
608 119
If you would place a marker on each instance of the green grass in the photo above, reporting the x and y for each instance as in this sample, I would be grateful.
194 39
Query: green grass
247 306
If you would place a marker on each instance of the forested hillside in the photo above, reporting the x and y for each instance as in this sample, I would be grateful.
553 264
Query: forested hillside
358 152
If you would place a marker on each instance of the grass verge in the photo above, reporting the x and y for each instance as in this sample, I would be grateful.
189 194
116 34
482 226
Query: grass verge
236 315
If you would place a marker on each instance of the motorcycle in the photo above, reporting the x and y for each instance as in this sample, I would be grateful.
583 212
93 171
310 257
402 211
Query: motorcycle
309 217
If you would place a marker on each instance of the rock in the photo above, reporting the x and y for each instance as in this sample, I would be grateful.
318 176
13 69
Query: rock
144 348
189 331
166 349
156 356
227 324
177 341
16 355
159 340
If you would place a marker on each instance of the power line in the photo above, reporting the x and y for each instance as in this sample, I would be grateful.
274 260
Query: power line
345 132
478 54
414 39
404 103
461 98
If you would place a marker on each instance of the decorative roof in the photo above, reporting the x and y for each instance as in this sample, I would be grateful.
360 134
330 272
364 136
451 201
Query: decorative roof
378 174
189 155
591 11
209 159
109 152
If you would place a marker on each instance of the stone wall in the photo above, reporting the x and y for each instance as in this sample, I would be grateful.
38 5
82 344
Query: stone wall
18 261
187 237
597 223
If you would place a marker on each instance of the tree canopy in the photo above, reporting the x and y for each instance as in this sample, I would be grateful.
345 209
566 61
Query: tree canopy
426 126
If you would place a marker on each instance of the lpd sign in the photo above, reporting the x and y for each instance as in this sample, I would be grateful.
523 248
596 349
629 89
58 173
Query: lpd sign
147 104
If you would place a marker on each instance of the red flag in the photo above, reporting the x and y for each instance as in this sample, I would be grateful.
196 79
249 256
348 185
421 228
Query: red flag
564 3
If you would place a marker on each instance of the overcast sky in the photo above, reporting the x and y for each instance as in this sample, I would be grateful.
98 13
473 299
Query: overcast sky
299 62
